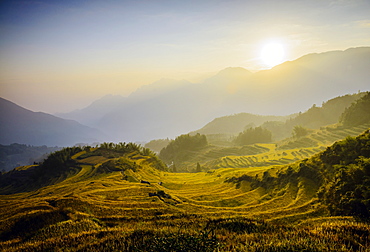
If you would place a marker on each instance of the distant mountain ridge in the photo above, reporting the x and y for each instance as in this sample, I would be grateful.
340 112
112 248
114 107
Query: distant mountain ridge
234 124
91 114
169 108
19 125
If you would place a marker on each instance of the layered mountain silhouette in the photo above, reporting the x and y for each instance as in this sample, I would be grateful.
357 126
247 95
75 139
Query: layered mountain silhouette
168 108
19 125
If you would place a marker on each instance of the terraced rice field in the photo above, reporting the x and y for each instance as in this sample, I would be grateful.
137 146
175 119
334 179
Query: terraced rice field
288 151
101 210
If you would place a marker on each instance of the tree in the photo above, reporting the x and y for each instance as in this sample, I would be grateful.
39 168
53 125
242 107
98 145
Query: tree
174 169
178 149
253 135
199 168
299 131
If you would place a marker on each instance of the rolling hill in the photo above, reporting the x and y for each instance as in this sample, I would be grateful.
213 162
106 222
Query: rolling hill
168 108
19 125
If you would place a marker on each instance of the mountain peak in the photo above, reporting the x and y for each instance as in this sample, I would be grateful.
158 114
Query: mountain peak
234 74
234 71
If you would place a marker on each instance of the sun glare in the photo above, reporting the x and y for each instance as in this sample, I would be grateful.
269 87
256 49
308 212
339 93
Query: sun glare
272 54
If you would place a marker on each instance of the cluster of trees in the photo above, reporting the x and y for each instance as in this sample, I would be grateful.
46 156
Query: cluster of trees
177 150
253 135
299 131
348 189
121 147
112 150
349 192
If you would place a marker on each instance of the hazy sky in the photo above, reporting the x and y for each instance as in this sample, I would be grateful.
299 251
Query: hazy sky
56 56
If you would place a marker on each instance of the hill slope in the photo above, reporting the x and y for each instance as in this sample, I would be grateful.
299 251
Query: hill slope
19 125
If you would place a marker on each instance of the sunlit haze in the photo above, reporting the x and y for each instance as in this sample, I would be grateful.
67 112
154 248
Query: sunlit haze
272 54
57 56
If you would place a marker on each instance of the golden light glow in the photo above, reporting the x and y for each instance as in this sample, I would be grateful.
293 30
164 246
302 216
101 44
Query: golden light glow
272 54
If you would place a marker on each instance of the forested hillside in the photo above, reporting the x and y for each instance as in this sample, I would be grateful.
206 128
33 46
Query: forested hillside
14 155
358 112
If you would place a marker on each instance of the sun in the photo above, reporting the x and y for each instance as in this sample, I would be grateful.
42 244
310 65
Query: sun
272 54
